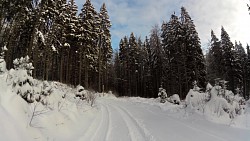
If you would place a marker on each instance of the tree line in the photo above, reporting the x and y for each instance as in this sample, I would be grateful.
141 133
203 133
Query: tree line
172 58
63 45
74 47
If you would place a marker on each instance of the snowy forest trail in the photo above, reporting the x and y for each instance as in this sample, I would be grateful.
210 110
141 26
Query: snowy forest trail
121 120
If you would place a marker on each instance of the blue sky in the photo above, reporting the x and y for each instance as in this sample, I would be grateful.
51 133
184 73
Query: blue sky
139 16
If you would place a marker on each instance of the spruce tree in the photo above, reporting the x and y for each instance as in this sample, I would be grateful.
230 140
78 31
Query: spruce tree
124 62
148 68
214 59
142 57
16 25
172 40
89 30
195 59
157 58
133 64
228 59
238 66
247 73
71 38
105 49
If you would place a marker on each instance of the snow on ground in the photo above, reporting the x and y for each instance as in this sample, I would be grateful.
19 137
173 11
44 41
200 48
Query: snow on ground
67 118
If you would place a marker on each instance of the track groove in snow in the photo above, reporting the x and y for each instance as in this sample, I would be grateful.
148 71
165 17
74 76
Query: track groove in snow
109 124
88 133
103 128
140 125
136 133
122 121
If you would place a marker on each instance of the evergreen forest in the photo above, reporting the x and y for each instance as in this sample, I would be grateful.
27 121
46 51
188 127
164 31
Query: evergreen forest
73 46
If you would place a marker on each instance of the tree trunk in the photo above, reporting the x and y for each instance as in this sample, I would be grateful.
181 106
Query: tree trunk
86 71
80 69
61 68
99 64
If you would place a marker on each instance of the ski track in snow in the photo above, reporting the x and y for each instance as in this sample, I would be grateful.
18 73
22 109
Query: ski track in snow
91 129
109 124
115 123
121 120
140 125
136 131
103 128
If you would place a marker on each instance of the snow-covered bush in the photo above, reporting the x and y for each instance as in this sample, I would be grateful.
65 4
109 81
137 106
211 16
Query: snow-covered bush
23 84
208 91
162 94
80 92
175 99
46 88
42 91
216 100
91 97
2 65
195 100
238 98
216 105
224 103
83 94
23 64
195 86
2 61
209 87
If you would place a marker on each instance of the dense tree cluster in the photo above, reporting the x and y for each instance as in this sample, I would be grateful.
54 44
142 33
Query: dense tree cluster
229 62
172 58
61 44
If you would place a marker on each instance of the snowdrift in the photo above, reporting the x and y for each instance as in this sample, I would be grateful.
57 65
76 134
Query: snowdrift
55 117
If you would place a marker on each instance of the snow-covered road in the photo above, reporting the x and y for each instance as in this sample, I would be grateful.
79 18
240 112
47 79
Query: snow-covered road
124 120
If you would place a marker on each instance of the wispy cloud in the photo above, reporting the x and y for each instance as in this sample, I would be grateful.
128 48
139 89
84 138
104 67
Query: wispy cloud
139 16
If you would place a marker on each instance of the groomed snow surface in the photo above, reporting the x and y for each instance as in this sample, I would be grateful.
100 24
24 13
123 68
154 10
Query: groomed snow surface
67 118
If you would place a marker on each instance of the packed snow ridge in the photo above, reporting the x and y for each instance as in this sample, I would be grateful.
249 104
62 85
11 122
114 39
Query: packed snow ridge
50 111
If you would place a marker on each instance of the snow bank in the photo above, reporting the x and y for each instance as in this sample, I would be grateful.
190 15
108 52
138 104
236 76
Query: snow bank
58 117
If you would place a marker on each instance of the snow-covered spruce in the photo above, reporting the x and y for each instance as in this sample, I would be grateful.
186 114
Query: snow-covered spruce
162 94
25 85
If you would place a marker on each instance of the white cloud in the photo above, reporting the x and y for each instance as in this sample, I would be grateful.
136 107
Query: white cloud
212 14
139 16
